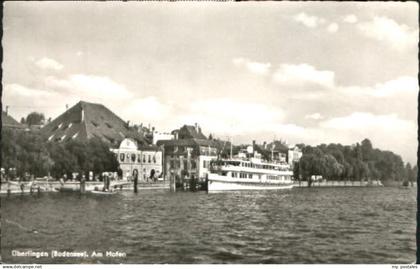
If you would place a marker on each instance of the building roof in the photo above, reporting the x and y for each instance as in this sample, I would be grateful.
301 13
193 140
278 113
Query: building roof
187 142
189 131
86 120
8 122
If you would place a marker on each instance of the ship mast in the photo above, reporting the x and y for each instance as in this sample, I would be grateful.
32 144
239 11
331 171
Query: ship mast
230 147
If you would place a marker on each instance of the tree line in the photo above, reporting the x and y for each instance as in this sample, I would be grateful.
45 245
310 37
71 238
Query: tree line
357 162
29 153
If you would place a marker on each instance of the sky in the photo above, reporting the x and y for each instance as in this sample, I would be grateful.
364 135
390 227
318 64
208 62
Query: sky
304 72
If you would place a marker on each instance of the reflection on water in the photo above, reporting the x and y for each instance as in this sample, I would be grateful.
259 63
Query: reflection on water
319 225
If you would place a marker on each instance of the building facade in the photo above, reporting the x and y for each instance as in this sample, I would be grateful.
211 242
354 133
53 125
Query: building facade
188 159
293 155
157 136
145 160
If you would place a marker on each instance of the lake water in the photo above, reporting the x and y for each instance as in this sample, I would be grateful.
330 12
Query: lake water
317 225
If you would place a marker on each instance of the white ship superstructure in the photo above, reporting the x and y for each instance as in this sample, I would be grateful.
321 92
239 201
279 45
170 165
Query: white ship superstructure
249 174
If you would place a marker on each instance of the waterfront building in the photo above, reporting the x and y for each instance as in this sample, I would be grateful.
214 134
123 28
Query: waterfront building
283 152
161 136
145 160
187 159
294 154
189 132
86 120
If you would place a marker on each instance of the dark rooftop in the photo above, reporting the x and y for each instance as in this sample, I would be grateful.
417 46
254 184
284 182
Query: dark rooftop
86 120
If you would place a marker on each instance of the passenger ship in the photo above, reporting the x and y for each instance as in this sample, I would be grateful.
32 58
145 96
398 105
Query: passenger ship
248 174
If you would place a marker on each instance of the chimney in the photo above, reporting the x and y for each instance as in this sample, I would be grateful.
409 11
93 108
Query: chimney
7 110
67 107
265 145
196 127
176 135
128 123
253 145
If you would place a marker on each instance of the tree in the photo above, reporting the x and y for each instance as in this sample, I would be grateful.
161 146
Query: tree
35 118
296 174
409 172
26 152
356 162
414 175
366 149
64 162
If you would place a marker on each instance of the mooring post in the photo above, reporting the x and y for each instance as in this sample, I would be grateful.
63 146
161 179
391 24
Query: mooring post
83 184
135 183
172 183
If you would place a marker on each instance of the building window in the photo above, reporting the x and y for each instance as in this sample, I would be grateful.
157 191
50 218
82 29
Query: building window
193 164
185 164
149 159
133 157
138 158
144 158
122 157
154 159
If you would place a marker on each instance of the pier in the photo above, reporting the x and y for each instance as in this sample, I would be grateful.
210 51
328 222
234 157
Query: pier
36 187
346 183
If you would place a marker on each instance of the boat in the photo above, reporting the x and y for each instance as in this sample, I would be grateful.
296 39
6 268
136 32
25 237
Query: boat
103 192
235 174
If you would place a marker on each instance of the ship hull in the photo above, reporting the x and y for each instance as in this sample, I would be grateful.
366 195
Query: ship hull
226 184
